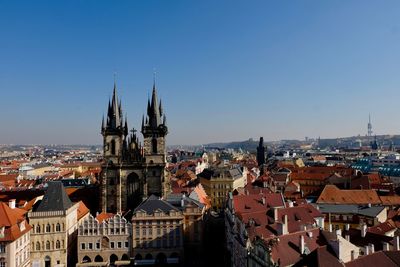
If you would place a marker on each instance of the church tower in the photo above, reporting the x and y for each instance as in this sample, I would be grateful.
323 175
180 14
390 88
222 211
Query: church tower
114 131
130 171
154 130
261 155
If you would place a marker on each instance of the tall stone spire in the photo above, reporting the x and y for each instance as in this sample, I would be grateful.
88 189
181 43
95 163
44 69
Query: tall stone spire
154 111
114 111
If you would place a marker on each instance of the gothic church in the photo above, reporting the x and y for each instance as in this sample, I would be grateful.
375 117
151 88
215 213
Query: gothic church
130 171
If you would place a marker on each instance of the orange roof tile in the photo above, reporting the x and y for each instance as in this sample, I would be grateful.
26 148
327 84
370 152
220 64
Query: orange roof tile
104 216
333 195
82 210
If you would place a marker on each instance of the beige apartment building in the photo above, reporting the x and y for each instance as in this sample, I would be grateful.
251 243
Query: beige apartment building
14 236
157 236
54 223
104 241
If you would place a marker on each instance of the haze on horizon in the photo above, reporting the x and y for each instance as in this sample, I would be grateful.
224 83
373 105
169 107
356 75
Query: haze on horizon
226 70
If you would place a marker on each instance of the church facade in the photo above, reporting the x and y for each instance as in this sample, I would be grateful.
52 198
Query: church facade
132 171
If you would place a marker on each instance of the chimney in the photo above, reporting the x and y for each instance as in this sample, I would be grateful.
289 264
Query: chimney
347 227
276 214
347 237
385 246
285 230
353 255
301 244
396 243
363 230
372 248
330 228
11 203
339 232
290 204
263 200
366 250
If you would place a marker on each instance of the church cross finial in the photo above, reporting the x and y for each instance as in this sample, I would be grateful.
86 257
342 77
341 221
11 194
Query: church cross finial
154 77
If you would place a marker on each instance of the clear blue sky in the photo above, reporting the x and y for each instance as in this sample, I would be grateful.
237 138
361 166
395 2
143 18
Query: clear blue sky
226 70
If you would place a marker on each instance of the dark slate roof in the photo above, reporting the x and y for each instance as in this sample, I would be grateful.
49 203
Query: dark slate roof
372 211
55 198
153 203
176 201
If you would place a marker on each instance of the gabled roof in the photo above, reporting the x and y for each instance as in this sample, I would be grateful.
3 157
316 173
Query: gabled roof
8 216
333 195
321 257
82 210
287 250
380 258
10 219
55 198
153 204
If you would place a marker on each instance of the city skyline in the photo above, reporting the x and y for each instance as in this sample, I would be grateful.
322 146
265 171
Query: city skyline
226 71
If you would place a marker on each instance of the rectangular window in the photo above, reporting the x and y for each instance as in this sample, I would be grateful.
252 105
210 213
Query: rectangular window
112 244
126 244
98 245
119 244
91 246
83 246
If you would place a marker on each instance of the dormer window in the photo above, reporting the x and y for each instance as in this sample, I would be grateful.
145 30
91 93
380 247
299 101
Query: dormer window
22 226
2 230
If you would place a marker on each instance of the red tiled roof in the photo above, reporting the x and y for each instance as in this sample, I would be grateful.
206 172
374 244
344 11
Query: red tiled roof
104 216
253 202
82 210
10 219
333 195
286 251
390 200
383 228
380 258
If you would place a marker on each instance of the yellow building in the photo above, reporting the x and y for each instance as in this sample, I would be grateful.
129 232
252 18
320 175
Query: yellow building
219 182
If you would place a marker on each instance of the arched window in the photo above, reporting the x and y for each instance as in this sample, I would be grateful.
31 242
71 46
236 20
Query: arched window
48 229
58 227
112 147
37 246
58 244
48 245
38 229
154 145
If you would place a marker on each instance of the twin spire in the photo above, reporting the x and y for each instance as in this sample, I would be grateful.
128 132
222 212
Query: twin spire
114 114
155 114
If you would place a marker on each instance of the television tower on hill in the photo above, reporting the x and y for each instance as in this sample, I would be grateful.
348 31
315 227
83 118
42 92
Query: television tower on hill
369 126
